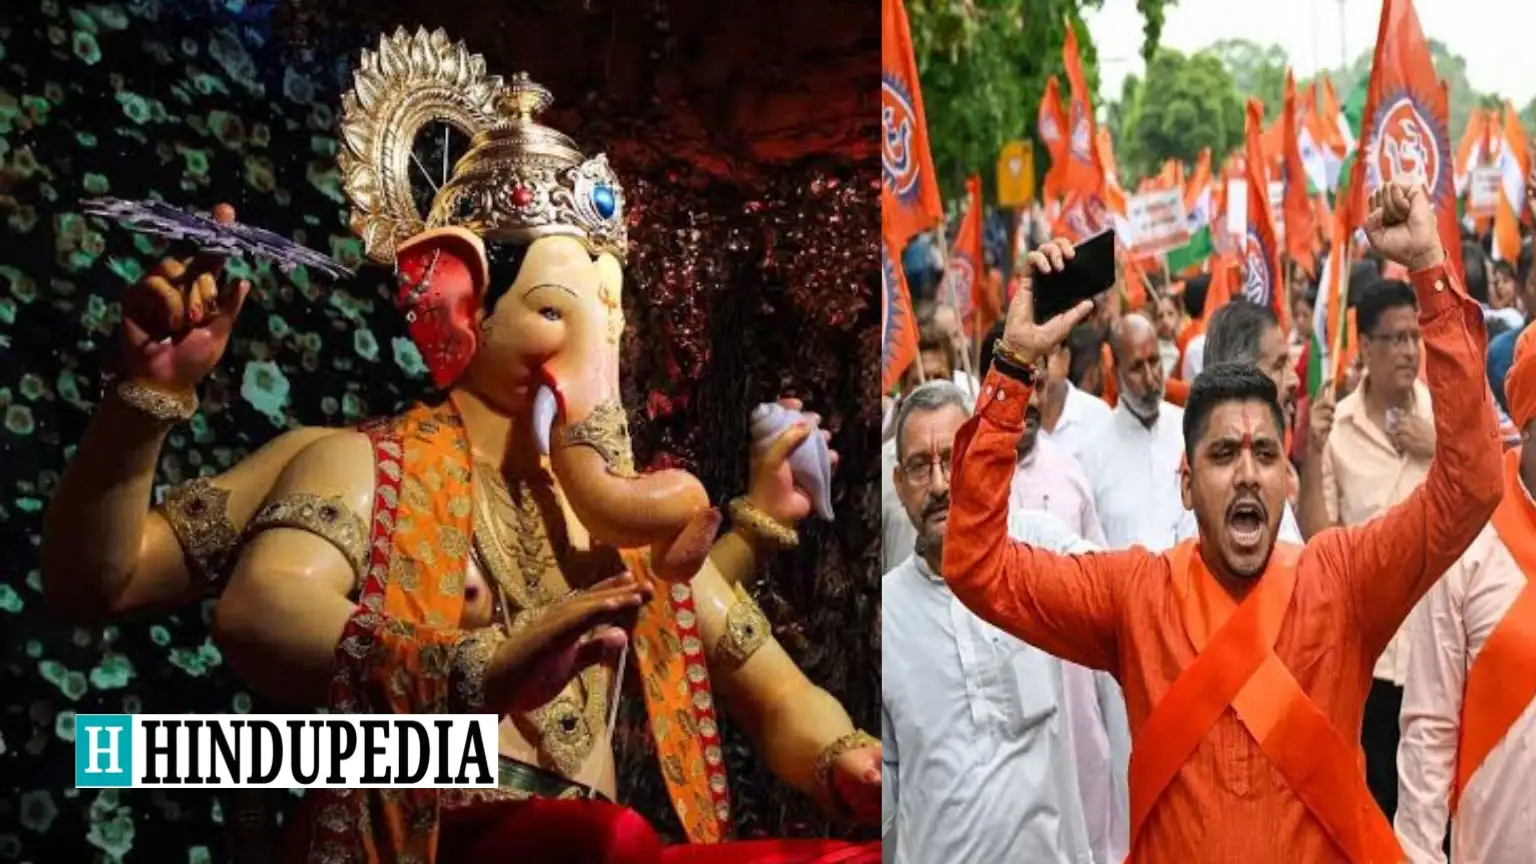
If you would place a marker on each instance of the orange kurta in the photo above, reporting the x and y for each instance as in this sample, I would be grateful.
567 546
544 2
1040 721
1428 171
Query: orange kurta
1118 611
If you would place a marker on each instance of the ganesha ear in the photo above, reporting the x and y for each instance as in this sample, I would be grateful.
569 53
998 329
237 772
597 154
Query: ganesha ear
461 243
443 276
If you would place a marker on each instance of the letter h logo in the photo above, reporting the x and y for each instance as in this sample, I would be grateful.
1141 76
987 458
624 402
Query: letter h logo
103 751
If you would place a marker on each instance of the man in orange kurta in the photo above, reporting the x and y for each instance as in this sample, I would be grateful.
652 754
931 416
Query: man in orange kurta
1244 661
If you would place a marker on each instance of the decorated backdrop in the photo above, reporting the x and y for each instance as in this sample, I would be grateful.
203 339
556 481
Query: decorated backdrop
746 140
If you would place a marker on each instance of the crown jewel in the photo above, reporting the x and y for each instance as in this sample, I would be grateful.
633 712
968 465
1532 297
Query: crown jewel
520 180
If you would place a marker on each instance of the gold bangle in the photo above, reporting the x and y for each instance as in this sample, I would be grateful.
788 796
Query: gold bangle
858 739
162 406
198 513
328 518
746 630
753 522
471 658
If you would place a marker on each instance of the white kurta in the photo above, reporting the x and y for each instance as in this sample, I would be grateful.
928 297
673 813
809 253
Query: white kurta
1134 472
986 739
1082 415
1495 823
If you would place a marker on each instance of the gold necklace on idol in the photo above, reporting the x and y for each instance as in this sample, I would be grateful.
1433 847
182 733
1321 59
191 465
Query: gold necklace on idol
519 561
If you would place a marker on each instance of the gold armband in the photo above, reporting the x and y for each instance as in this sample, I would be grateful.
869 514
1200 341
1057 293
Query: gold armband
855 740
746 630
162 406
330 519
749 520
198 513
605 430
466 674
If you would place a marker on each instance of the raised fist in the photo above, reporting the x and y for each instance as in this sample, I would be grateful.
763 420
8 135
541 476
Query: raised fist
1402 227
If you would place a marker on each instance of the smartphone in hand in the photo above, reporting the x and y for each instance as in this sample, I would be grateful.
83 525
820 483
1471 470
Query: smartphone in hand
1090 273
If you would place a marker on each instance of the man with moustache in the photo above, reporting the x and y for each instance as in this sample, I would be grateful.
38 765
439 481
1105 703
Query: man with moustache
978 766
1245 662
1132 462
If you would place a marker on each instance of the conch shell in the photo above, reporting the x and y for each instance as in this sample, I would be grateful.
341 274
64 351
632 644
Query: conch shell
810 463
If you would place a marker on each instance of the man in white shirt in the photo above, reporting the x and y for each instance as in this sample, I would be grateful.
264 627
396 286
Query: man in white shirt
1068 414
1133 461
1468 745
993 750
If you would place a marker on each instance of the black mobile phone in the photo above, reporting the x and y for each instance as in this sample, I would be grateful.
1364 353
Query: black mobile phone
1090 273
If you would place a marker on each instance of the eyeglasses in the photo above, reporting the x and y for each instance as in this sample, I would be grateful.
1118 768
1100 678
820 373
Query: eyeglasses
1401 339
919 469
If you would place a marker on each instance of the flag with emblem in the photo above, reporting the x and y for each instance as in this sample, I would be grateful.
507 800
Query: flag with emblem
1260 249
1197 194
963 276
898 326
1082 175
909 190
1405 135
1051 124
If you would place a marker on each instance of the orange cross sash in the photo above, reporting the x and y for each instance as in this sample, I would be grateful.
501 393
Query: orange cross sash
1237 668
1502 680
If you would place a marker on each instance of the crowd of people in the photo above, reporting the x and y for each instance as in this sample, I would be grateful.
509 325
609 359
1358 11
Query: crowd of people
1147 595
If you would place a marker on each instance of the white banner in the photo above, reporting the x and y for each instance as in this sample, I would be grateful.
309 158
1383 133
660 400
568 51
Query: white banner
1157 221
1237 207
1277 207
1483 191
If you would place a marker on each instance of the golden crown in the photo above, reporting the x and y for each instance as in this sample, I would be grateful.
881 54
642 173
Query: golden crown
519 181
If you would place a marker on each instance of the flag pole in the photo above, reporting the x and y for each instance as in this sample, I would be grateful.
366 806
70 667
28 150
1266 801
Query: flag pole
954 303
1341 305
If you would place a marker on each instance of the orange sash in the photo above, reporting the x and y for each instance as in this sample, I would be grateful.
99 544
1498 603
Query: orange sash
1237 668
1502 680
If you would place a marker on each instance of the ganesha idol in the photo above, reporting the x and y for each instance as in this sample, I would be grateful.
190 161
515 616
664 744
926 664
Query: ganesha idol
493 550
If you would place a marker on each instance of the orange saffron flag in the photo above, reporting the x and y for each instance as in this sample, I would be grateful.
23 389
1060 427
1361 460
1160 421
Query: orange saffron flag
898 324
1405 134
1299 230
1260 249
1083 174
1051 124
909 190
963 280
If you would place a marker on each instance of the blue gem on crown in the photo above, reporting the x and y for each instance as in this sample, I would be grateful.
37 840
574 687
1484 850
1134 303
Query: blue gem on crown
604 200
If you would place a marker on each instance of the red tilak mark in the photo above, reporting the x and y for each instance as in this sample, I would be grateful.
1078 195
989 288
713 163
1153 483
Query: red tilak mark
1247 430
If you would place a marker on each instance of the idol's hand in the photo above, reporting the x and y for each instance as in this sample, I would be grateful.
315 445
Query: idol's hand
536 662
177 320
856 783
1401 226
773 489
1022 336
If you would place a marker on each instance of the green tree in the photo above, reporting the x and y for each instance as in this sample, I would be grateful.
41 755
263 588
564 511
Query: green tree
984 64
1256 70
1185 104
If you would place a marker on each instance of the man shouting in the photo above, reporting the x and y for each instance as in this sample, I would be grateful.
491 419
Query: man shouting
1244 660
